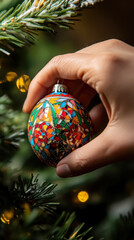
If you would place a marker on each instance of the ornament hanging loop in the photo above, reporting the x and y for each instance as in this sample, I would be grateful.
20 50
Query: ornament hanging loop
59 87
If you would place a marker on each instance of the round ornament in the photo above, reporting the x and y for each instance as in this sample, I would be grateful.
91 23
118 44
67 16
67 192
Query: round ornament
58 124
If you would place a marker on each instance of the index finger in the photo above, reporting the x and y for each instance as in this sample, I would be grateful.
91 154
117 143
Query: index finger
68 66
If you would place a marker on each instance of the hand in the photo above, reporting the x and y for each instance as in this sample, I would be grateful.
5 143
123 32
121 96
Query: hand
108 69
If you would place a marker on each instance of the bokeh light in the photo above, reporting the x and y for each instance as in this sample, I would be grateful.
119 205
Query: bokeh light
83 196
23 82
10 76
7 216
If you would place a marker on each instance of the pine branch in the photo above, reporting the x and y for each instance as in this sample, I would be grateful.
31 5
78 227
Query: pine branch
35 226
36 195
18 26
11 135
25 209
128 219
27 191
122 227
64 224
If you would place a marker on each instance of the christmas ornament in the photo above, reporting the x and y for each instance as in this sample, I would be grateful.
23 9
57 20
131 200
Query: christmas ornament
58 124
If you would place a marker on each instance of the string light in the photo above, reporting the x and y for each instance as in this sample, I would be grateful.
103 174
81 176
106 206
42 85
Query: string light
23 82
7 216
10 76
83 196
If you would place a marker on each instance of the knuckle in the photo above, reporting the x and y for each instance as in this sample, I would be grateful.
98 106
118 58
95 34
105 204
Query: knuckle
60 60
108 62
111 58
78 161
56 60
114 42
106 65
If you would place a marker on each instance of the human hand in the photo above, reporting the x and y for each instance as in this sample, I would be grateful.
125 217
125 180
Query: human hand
108 69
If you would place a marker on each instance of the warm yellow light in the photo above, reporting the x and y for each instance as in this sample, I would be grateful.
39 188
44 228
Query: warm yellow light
4 219
23 82
83 196
27 208
10 76
7 216
2 81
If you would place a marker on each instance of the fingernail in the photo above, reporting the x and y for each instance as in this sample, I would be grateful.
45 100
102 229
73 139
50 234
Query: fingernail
63 170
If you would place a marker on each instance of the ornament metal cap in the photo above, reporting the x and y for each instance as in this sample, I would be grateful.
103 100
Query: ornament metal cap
58 87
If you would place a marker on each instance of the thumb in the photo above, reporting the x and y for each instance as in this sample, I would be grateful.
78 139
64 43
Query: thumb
95 154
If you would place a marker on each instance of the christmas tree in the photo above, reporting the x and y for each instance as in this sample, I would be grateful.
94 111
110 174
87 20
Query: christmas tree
34 202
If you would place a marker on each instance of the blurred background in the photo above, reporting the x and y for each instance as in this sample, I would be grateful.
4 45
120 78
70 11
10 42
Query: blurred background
100 197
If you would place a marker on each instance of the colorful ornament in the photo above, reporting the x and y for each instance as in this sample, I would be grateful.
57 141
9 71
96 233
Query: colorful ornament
58 124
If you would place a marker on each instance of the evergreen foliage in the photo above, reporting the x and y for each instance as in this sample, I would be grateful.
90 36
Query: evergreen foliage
124 227
28 212
11 134
19 25
27 208
29 205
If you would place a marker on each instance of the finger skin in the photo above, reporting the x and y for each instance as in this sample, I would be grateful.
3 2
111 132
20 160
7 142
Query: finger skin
108 69
99 118
80 65
69 66
112 145
91 156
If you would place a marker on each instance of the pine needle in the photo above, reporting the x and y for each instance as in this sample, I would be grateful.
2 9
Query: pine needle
19 25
